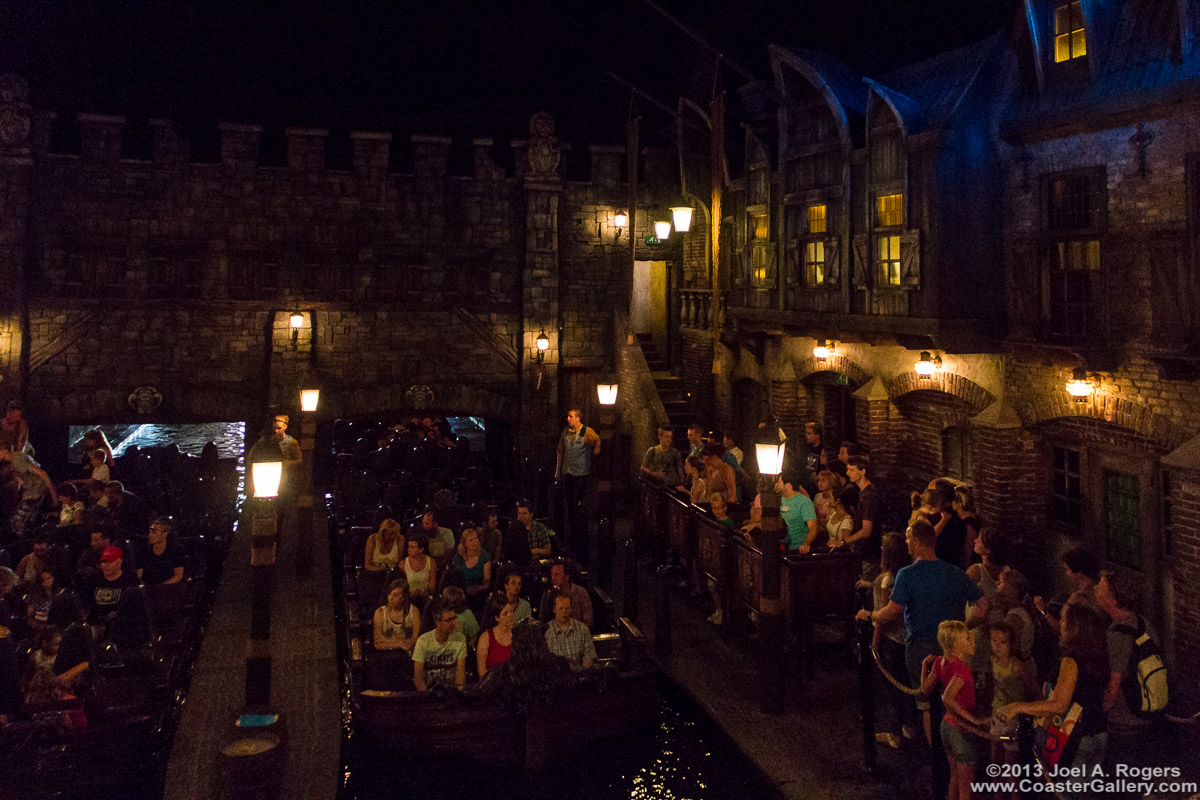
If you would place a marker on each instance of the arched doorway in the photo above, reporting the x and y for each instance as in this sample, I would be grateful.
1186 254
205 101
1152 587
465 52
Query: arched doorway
831 404
749 409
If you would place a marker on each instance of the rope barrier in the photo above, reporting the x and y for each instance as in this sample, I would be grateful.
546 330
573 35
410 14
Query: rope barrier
911 692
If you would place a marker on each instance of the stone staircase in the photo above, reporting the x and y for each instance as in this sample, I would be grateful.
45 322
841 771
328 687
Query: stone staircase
675 398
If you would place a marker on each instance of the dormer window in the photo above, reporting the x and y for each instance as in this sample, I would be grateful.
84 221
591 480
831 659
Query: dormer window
1070 40
889 213
814 248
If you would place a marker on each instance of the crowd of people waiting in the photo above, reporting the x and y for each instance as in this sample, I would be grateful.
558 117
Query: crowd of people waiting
951 611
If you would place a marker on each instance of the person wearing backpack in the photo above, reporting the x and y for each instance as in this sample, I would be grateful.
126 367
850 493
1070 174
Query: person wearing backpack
1136 696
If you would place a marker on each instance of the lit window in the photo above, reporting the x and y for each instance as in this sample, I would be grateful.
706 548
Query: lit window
814 263
760 225
889 260
1069 38
816 219
889 210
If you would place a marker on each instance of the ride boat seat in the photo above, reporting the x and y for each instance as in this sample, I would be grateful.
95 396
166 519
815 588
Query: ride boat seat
356 542
603 611
170 614
608 647
391 671
120 696
633 644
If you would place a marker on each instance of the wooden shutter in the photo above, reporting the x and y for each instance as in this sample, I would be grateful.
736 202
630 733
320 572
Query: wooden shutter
910 259
861 260
794 262
833 261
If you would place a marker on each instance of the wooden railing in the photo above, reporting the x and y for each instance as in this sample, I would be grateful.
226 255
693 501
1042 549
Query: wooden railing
813 586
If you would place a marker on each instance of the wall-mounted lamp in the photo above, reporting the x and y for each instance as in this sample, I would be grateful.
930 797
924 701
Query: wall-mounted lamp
1082 384
296 322
607 393
683 218
309 398
927 365
620 220
543 344
662 229
825 349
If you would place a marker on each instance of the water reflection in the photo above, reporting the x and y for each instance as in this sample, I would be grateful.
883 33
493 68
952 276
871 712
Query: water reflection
190 438
680 757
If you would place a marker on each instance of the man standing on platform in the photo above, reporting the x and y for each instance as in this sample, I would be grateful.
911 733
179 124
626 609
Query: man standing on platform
812 457
577 445
662 462
866 538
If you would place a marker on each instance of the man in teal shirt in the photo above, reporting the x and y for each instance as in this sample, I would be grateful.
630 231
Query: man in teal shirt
798 513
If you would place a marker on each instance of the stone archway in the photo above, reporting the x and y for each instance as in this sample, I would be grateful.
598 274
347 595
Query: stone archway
828 397
835 363
1138 418
951 383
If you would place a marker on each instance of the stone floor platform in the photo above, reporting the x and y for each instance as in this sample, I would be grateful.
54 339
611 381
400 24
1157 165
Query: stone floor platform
304 678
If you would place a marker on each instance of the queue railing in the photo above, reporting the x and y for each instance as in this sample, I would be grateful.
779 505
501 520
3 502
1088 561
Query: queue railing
813 587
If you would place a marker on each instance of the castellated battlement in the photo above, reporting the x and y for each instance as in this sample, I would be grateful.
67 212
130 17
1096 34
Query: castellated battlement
103 141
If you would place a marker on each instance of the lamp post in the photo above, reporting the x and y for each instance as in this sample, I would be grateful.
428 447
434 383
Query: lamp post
264 539
769 451
309 399
606 393
253 751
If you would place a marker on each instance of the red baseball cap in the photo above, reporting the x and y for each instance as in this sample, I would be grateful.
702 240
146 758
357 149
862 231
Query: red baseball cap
111 553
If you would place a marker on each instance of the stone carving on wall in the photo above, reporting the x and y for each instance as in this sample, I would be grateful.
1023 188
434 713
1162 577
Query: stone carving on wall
419 396
145 399
544 152
15 115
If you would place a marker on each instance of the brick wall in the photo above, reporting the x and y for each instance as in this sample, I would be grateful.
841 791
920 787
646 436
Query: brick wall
1184 531
914 435
696 372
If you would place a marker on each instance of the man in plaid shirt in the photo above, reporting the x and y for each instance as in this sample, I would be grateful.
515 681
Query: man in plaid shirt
568 637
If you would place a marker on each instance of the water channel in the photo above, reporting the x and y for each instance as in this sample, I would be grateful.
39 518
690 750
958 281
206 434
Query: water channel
682 756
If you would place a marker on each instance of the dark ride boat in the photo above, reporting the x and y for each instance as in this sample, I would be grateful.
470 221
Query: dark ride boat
617 696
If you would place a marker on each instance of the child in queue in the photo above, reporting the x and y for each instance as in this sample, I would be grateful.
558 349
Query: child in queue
951 671
1013 681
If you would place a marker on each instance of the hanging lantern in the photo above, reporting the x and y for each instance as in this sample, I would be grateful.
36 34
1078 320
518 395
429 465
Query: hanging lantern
682 215
607 393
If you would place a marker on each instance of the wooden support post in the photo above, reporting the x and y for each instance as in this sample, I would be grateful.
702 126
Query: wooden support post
304 497
263 544
770 615
866 694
